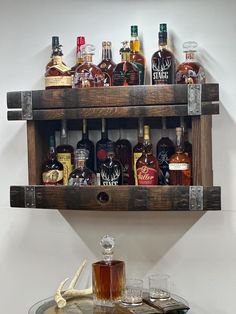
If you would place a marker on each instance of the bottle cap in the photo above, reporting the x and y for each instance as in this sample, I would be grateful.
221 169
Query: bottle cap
107 243
87 49
179 130
146 132
80 40
134 31
163 28
190 46
55 41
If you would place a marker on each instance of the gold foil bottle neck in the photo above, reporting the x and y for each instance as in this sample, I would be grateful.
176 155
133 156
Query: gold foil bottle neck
146 132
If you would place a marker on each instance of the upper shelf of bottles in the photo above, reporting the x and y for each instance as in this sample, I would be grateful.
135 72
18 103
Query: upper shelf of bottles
114 102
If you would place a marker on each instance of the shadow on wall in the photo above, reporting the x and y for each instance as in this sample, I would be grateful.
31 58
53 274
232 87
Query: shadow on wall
142 238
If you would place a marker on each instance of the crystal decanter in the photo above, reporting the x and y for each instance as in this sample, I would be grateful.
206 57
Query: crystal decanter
108 275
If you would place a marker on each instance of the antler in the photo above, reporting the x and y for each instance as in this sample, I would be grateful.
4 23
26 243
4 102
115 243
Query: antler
61 296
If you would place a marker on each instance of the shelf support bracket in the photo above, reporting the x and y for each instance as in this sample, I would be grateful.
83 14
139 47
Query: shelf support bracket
30 197
196 198
26 105
194 99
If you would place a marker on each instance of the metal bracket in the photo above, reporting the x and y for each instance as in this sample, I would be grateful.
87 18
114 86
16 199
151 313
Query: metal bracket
196 198
30 197
26 104
194 99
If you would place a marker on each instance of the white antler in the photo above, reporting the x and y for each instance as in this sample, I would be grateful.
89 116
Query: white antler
61 295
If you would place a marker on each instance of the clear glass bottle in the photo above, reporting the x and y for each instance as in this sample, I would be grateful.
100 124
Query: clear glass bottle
107 65
179 163
79 59
190 71
164 150
136 56
52 169
65 153
58 75
82 175
108 275
102 146
111 170
163 61
85 143
147 164
123 152
138 148
125 73
88 74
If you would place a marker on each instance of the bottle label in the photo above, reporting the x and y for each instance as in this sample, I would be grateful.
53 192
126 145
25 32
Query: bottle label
179 166
126 77
110 177
136 157
102 149
51 81
53 177
162 71
88 79
141 72
65 159
147 176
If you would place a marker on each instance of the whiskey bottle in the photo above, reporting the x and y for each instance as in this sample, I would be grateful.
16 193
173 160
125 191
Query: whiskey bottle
82 175
107 65
123 152
125 73
164 150
138 148
103 146
58 75
147 164
136 56
79 59
108 275
55 45
163 61
88 74
111 170
65 153
190 71
85 143
179 163
52 169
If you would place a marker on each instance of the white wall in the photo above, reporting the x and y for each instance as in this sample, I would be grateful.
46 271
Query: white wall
38 248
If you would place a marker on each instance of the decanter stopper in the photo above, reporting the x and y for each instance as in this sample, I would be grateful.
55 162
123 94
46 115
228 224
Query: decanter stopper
107 243
87 49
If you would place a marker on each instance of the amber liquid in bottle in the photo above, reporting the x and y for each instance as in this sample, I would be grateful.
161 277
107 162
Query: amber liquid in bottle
179 163
108 276
147 164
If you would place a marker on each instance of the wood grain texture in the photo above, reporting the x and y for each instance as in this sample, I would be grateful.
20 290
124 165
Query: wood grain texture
202 150
115 112
112 96
122 198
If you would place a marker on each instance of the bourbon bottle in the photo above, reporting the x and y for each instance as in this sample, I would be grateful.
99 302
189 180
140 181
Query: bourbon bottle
136 56
111 172
179 163
163 61
52 169
107 65
125 73
190 71
79 59
108 275
147 164
138 148
65 153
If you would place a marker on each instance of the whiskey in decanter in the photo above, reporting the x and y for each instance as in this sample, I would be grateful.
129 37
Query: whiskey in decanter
108 275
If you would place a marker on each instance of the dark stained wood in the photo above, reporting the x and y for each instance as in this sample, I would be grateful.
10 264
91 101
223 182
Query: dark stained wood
115 112
202 150
112 96
122 198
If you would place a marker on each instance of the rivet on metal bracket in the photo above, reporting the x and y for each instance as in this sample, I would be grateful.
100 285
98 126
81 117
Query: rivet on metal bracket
194 99
196 197
26 104
30 197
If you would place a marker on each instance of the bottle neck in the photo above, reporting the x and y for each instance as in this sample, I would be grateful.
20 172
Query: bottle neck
88 58
64 137
104 131
79 58
190 56
106 53
140 130
57 59
125 56
84 130
80 163
51 153
179 142
134 44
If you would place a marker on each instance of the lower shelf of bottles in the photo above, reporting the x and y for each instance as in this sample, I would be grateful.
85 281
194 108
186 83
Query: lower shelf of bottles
118 198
